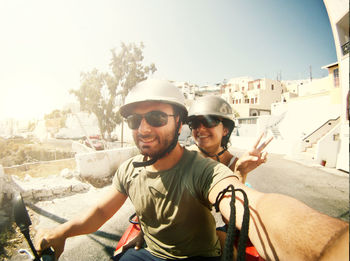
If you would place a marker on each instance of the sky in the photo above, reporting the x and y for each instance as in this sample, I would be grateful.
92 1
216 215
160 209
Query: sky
46 44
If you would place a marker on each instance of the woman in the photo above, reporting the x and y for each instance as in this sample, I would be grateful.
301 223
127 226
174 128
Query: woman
211 120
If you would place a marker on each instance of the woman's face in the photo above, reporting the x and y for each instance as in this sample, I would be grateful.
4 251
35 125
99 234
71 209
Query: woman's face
207 137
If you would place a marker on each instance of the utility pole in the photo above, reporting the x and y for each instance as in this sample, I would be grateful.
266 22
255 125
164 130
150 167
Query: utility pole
310 73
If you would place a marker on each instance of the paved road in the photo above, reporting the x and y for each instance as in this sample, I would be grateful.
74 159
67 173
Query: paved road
326 191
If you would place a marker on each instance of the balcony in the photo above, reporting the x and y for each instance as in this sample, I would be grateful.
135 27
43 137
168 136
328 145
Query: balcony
345 48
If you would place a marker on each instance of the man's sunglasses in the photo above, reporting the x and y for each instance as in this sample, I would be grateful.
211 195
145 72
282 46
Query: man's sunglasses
153 118
206 121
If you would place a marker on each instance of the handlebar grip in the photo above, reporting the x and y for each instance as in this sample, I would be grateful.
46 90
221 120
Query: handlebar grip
48 255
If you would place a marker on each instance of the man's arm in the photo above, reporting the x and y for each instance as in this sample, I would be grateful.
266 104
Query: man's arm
281 227
85 223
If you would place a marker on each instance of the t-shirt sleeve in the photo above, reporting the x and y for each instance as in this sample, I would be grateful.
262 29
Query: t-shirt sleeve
220 172
207 174
117 182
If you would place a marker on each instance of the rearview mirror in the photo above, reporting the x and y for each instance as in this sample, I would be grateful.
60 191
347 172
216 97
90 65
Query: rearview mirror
20 213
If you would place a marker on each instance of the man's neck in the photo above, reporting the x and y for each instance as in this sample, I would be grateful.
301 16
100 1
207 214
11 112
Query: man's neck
168 161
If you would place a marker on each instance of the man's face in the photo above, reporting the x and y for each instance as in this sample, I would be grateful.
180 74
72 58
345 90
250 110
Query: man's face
151 141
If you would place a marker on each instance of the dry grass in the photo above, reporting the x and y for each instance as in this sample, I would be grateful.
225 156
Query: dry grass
42 169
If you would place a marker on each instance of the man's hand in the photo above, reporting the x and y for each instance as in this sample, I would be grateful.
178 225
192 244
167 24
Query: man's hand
46 238
252 158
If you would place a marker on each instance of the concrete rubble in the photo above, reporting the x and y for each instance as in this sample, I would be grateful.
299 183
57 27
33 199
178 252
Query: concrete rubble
50 187
36 189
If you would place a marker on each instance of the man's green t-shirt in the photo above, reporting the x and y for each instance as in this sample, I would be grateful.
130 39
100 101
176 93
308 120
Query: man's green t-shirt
173 206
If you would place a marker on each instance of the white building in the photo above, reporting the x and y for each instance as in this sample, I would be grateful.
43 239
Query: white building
79 125
187 89
293 86
338 13
252 97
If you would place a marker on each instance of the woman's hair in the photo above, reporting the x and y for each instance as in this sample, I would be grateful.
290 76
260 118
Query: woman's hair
229 124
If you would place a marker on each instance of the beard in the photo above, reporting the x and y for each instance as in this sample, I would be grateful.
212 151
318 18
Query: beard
158 146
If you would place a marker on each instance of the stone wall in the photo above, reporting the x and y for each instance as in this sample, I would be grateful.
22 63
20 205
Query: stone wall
100 164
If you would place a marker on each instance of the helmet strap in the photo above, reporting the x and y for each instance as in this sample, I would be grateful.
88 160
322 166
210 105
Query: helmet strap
217 156
161 155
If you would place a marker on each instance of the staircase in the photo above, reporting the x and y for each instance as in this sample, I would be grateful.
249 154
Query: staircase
309 143
275 132
310 152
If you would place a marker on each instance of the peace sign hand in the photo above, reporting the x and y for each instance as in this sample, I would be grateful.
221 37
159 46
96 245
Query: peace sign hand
252 158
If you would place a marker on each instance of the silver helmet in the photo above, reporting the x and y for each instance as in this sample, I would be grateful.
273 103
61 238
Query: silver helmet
217 107
154 90
211 105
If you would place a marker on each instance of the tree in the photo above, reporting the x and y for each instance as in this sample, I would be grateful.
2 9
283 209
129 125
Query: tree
98 93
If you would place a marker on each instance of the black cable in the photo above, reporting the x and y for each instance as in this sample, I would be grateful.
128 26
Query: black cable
232 231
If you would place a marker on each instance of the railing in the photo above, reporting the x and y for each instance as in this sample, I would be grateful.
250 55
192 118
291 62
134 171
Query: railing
345 48
319 132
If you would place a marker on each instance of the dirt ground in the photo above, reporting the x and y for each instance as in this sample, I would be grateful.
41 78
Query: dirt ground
11 238
37 160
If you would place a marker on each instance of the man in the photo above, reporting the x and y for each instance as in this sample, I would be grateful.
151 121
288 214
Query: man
173 189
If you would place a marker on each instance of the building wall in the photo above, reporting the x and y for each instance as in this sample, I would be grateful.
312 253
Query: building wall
252 97
241 109
305 114
316 86
338 13
327 148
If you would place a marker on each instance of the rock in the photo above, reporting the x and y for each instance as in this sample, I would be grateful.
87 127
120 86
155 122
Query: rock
66 173
76 174
42 194
27 194
27 177
59 191
80 187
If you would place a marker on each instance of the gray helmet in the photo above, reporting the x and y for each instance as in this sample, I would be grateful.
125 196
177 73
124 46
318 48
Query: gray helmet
211 105
214 106
154 90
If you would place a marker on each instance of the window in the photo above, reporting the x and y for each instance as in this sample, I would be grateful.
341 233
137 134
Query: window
233 101
248 121
239 100
336 77
256 99
259 86
272 87
252 100
242 88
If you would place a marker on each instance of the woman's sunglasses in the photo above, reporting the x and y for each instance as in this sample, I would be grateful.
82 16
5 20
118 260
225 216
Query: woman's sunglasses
206 121
153 118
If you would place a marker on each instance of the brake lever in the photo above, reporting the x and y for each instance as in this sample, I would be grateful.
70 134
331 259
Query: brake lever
48 255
